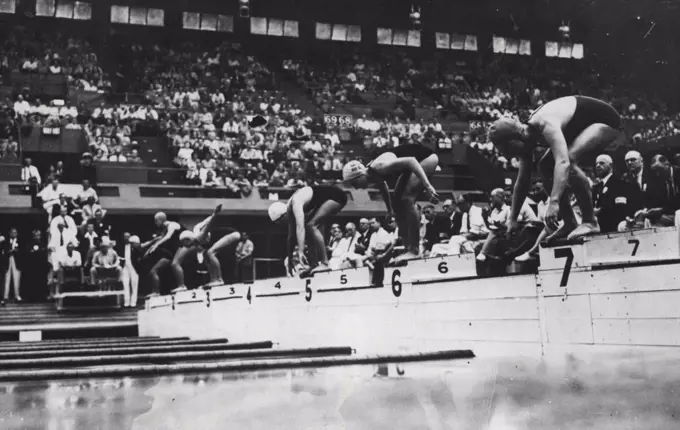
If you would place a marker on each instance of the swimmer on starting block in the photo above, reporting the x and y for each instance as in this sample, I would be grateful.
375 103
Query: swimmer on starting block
414 164
570 127
309 207
162 248
199 238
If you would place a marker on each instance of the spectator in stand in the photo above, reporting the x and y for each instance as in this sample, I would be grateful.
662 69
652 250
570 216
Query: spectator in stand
101 227
50 197
380 246
12 255
89 241
105 259
70 230
473 229
58 241
29 174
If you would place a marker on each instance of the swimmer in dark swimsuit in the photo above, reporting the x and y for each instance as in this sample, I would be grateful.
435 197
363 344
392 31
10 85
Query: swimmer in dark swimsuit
198 239
309 207
163 248
570 127
414 164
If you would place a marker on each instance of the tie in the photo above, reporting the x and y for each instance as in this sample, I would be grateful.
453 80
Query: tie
670 190
61 238
468 221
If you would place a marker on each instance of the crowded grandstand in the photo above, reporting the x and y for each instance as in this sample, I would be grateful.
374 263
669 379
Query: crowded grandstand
104 131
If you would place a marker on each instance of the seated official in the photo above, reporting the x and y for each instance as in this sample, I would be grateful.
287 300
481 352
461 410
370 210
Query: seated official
66 258
610 196
105 258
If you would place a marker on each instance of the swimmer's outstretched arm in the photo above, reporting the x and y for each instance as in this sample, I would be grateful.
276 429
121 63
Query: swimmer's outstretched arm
558 145
385 193
522 185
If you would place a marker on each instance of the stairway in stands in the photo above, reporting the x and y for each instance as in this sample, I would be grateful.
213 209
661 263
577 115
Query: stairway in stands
155 154
44 318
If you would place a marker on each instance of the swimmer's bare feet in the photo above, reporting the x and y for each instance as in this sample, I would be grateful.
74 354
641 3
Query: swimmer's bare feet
562 231
320 268
585 229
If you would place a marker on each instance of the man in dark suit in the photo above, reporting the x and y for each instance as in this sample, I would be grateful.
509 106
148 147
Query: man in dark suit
610 196
663 193
637 178
35 257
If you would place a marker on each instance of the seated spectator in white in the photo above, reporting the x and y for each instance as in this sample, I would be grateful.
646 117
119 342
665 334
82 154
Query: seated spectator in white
30 64
353 238
66 258
50 196
86 194
380 245
339 247
473 229
89 208
30 173
117 156
67 221
105 258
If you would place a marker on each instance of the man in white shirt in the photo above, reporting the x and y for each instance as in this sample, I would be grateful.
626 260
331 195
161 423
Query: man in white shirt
70 228
50 196
21 106
473 229
497 221
30 171
86 193
353 238
129 250
381 244
66 258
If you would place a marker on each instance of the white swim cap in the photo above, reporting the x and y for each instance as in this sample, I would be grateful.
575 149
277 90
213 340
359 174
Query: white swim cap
353 170
277 210
187 235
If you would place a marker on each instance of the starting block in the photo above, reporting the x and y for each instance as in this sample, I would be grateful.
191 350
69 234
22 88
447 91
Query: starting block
634 247
449 267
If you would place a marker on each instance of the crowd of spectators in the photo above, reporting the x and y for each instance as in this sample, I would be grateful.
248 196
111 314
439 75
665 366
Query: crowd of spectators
34 50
